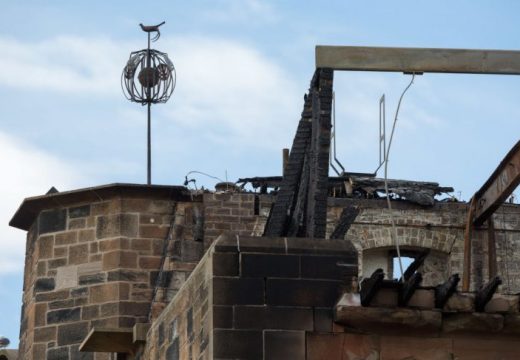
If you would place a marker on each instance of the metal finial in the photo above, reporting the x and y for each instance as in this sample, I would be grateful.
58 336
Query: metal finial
148 78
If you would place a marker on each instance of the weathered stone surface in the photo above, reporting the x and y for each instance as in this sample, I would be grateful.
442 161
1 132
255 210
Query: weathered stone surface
395 320
473 322
501 303
46 246
119 259
61 353
326 267
325 346
45 334
461 302
236 291
52 220
237 344
268 317
64 315
225 264
78 254
385 298
280 345
79 211
66 238
302 292
267 265
117 225
72 333
416 348
44 284
86 235
422 299
92 279
66 277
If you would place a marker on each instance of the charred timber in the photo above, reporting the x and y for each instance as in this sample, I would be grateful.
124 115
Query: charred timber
418 192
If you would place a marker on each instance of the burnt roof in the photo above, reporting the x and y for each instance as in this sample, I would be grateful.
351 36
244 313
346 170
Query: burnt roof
32 206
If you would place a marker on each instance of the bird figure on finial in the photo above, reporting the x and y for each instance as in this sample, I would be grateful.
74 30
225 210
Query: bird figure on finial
153 28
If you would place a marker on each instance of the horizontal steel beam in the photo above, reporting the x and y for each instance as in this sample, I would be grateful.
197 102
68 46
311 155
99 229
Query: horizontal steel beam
499 186
418 60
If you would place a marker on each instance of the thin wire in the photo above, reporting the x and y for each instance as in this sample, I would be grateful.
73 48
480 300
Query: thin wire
394 230
208 175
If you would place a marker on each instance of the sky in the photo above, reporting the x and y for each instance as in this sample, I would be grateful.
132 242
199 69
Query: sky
243 67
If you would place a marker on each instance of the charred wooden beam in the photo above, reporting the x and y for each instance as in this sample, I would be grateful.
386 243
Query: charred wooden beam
408 288
370 286
316 209
500 185
444 291
346 219
486 293
416 264
285 200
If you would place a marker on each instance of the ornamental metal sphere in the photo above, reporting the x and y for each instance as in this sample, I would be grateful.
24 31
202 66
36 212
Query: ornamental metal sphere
149 77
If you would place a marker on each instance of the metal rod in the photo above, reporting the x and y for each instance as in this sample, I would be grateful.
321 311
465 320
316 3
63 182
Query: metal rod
149 146
466 275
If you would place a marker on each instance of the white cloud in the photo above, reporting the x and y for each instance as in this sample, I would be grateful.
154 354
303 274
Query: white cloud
29 171
250 11
225 90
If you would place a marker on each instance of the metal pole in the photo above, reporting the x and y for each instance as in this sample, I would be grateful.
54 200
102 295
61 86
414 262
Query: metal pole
149 100
149 146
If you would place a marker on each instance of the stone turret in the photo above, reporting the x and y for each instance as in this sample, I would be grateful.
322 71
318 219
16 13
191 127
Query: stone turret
93 256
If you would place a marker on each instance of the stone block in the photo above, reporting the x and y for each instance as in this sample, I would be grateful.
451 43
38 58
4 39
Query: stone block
52 221
225 264
323 319
117 225
39 351
191 251
79 211
422 299
322 247
385 298
153 231
61 353
44 284
267 265
109 309
61 304
72 333
134 308
128 275
326 267
325 346
92 279
64 315
460 302
282 345
119 259
114 244
50 296
485 349
104 293
75 224
78 254
473 322
46 246
86 235
149 262
90 312
141 245
45 334
61 252
501 303
237 291
269 317
56 263
75 354
294 292
66 277
66 238
222 317
416 348
237 344
40 314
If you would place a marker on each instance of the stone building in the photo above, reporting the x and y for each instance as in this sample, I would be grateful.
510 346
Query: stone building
142 272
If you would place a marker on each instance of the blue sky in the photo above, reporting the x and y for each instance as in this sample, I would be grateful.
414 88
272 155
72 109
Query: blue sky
242 67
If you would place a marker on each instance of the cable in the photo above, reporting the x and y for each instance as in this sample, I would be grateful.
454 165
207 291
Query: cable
394 230
202 173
